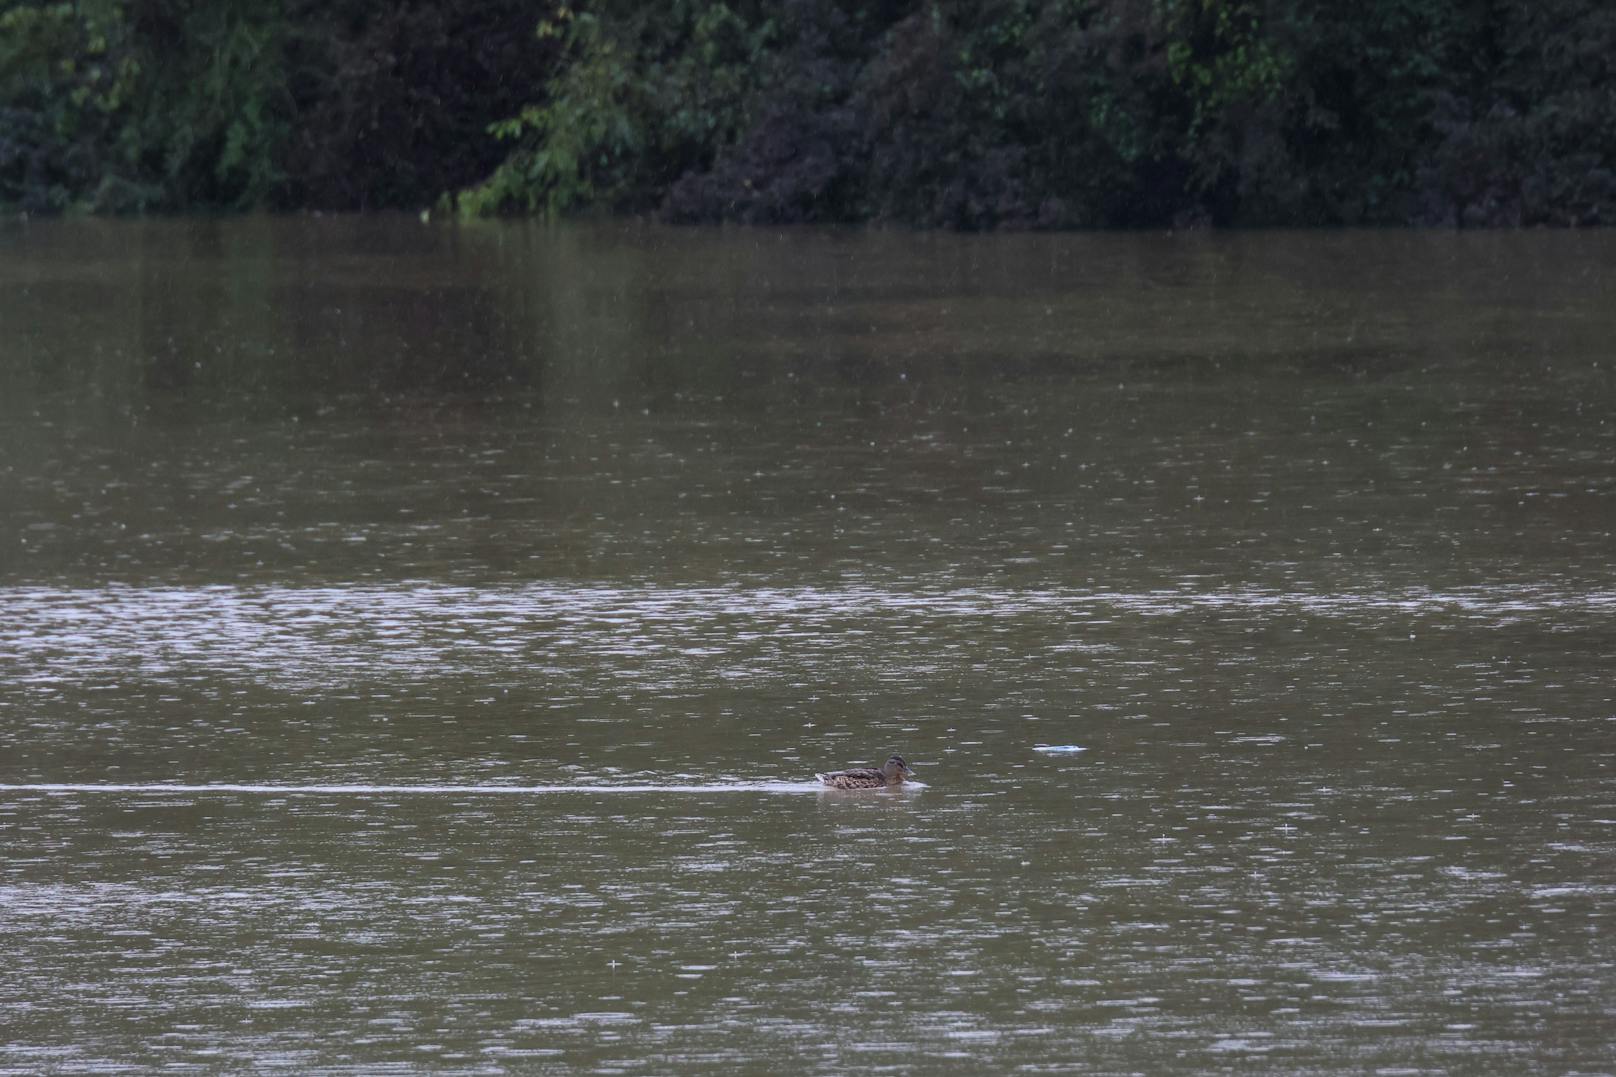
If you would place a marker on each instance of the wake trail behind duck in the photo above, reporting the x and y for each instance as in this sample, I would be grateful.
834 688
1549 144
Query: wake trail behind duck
365 789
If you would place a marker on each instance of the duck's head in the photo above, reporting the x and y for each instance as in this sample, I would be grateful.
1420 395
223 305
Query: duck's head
895 769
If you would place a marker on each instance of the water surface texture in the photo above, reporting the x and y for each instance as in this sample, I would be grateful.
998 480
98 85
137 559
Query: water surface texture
417 644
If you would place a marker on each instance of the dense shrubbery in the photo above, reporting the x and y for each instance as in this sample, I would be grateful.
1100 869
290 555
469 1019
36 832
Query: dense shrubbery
121 105
959 113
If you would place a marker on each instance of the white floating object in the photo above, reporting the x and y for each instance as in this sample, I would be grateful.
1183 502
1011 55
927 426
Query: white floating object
1058 749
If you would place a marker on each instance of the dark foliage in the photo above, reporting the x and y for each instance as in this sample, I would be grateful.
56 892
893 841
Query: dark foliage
63 88
986 114
394 106
119 105
796 159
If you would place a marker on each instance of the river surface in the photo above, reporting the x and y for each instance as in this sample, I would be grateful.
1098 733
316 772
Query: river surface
417 643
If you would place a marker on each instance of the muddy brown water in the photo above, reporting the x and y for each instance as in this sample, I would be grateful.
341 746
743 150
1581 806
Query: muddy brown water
417 641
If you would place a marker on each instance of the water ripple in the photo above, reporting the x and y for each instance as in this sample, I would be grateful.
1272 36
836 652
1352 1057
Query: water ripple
368 789
328 635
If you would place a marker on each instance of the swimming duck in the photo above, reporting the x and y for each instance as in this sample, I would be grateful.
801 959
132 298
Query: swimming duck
892 772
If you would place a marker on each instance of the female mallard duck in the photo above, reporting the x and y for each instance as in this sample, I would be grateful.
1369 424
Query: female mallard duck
892 772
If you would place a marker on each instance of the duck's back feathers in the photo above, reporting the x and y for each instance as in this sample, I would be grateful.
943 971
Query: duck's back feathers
892 772
862 778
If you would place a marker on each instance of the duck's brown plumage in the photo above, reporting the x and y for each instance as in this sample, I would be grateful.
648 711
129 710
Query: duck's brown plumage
893 772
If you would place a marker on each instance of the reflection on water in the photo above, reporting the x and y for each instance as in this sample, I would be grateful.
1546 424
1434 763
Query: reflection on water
314 638
416 642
